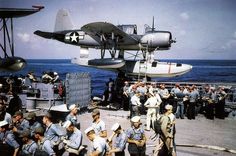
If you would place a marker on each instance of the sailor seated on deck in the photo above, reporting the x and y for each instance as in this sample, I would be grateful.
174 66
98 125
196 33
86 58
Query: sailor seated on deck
46 78
53 132
73 142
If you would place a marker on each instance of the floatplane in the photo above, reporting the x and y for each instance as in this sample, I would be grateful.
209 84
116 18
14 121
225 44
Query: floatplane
117 40
8 60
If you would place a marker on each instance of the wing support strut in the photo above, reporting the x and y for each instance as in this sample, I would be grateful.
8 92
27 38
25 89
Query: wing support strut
7 40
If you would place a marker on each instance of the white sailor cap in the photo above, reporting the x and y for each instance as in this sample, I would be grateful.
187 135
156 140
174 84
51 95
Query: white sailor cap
88 130
135 119
73 106
168 107
3 123
67 124
115 127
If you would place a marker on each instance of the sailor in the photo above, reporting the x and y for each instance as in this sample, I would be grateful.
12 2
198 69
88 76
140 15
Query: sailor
32 123
120 140
55 77
3 114
73 116
98 125
180 104
173 130
110 90
151 104
19 124
220 105
164 93
125 95
176 89
44 144
193 97
142 89
15 104
158 97
136 138
46 78
136 104
211 104
53 132
99 144
132 90
8 144
73 139
29 146
31 77
167 148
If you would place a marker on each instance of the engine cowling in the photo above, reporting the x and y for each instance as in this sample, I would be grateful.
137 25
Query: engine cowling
159 40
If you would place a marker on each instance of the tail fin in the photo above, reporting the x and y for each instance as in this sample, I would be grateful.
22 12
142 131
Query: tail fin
63 21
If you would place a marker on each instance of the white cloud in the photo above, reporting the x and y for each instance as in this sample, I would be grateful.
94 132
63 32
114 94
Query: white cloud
24 37
184 16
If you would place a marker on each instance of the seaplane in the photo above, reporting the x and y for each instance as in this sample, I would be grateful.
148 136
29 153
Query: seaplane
116 41
8 60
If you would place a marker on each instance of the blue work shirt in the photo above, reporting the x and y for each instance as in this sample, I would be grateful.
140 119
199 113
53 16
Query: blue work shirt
120 141
9 138
75 139
45 145
22 126
53 133
135 134
29 149
193 96
72 118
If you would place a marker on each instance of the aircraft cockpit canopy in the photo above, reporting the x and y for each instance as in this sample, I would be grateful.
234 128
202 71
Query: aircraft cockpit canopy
129 29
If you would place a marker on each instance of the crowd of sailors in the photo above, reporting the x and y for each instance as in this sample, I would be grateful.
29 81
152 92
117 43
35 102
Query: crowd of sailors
17 83
187 101
24 135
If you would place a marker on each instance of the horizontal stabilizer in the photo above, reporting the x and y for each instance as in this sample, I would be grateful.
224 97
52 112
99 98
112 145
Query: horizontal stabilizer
49 35
43 34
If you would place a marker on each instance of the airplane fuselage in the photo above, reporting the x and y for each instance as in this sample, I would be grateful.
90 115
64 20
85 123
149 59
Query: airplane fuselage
158 40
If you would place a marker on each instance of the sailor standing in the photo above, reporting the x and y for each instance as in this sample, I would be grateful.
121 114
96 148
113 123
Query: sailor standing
136 104
125 99
136 138
151 104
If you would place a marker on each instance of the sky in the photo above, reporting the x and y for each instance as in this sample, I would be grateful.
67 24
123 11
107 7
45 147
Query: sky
203 29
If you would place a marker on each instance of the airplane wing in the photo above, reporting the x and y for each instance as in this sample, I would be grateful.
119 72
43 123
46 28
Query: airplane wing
16 12
98 30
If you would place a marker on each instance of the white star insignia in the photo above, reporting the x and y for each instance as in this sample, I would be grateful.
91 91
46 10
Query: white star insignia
74 37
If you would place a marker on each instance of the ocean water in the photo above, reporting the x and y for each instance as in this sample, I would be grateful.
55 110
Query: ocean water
203 71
